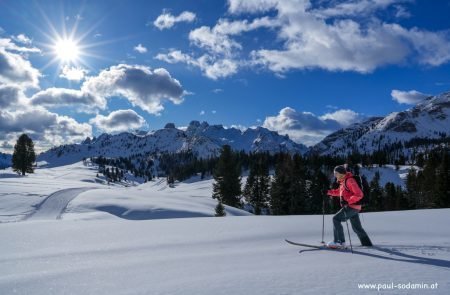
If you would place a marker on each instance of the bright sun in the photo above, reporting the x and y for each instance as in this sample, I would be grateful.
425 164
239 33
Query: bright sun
67 50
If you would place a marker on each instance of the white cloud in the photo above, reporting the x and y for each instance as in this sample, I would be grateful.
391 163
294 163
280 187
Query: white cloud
402 12
341 44
143 87
73 73
432 49
219 61
56 97
202 113
118 121
175 56
218 40
239 127
408 97
343 117
333 35
139 48
216 69
16 70
217 90
22 38
344 45
217 43
252 6
167 20
306 127
45 128
9 95
7 44
357 8
211 67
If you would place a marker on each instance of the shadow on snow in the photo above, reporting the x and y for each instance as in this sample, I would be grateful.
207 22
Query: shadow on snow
396 255
126 213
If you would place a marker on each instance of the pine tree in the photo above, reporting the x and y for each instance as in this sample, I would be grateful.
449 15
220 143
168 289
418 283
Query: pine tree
298 188
24 155
280 192
220 210
412 188
227 176
429 173
401 202
442 182
319 184
376 193
390 198
257 187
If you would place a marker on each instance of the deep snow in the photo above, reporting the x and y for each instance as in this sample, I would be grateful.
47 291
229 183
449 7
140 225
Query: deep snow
231 255
95 199
99 247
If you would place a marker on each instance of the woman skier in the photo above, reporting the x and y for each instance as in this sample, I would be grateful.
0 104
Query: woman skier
350 194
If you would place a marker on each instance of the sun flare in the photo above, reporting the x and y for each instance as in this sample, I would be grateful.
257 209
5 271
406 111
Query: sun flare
67 50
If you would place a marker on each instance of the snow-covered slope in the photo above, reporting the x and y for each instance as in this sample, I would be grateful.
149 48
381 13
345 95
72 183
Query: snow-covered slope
83 238
388 173
20 196
201 138
232 255
429 119
76 192
152 200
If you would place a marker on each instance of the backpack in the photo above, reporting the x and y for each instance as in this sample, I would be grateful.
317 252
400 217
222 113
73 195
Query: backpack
363 184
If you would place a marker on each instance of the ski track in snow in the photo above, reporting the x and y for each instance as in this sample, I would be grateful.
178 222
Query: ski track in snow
55 204
91 250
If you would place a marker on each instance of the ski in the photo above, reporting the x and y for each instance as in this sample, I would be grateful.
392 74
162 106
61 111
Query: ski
317 247
306 245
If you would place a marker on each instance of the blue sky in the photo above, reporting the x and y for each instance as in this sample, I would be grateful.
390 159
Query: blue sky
71 69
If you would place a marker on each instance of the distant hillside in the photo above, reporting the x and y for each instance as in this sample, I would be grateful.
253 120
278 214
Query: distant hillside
202 139
416 129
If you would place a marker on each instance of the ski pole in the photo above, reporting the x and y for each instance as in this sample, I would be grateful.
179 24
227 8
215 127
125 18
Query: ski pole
323 219
346 221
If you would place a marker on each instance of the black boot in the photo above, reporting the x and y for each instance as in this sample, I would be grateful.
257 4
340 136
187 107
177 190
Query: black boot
365 241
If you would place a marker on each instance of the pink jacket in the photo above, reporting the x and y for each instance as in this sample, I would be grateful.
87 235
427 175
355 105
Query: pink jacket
352 195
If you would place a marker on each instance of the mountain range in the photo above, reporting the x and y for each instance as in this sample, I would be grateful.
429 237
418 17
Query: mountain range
201 139
428 121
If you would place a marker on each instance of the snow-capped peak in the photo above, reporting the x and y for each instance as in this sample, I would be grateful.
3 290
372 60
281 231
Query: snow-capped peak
429 119
202 139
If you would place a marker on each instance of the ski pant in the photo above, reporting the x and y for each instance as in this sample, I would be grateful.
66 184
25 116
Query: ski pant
342 215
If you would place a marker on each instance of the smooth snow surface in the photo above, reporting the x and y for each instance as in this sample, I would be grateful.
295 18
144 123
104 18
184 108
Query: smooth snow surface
75 192
231 255
140 240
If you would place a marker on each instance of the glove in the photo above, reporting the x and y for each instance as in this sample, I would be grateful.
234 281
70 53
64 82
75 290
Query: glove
344 203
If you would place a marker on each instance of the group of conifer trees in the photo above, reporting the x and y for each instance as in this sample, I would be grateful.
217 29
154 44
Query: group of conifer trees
298 184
